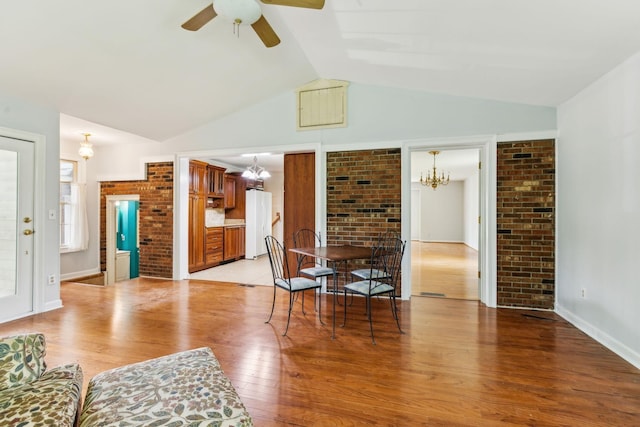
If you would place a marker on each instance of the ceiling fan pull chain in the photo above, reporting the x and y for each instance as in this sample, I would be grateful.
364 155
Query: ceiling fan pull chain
236 27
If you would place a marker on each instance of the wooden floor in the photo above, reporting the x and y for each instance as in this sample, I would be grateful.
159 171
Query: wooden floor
444 270
459 363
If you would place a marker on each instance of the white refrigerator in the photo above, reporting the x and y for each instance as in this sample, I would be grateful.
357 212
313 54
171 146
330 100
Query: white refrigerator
258 222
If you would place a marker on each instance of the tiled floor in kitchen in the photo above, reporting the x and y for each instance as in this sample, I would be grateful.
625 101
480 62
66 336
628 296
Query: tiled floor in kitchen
246 271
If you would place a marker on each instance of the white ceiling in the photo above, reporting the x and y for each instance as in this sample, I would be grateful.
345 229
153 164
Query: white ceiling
128 65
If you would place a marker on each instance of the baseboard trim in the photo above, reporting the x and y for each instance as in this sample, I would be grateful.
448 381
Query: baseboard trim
79 274
603 338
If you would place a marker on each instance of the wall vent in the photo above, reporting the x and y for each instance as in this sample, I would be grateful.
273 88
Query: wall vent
322 104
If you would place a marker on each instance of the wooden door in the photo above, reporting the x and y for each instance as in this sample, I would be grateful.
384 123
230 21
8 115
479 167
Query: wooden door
299 197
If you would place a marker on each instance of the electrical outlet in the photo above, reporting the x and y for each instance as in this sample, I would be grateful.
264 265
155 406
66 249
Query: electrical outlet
583 293
52 279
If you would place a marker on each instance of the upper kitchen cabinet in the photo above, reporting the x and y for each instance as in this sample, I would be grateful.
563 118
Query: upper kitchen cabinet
238 211
215 181
229 191
198 177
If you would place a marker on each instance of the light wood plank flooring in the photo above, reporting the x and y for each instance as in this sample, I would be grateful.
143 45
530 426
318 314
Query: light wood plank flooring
459 363
445 270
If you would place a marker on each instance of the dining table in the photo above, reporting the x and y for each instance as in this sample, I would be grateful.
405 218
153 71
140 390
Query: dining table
338 255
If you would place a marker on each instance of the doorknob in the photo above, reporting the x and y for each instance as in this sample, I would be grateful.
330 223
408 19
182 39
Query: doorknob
26 220
28 232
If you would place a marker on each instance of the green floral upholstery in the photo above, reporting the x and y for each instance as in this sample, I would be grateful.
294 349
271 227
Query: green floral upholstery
21 359
31 396
181 389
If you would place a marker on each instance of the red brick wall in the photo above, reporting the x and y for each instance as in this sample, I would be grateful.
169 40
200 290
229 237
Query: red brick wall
526 224
156 218
363 195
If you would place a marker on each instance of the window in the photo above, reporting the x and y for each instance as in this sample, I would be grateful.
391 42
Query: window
73 224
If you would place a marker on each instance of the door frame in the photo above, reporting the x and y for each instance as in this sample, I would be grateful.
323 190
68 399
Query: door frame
39 279
181 194
487 247
110 217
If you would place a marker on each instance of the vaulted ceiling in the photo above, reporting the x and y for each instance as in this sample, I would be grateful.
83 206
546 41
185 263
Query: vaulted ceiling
128 65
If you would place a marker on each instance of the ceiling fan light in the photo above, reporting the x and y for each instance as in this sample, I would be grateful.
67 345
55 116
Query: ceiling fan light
240 12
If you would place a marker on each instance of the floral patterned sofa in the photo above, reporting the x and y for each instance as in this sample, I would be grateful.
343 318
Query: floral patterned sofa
31 395
181 389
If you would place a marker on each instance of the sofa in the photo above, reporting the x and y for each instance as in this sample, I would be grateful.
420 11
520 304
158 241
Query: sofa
32 395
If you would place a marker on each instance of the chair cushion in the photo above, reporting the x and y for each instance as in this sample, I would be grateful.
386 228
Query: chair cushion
181 389
317 271
367 273
51 400
362 287
298 284
21 359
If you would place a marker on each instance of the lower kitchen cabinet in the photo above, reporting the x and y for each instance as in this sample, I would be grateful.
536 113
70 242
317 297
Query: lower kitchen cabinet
234 242
214 244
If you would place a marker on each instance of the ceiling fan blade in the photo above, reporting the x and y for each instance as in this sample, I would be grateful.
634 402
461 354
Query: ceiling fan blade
265 32
200 18
309 4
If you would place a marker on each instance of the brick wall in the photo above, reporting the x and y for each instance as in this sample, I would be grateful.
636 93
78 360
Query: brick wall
363 198
526 224
156 218
363 195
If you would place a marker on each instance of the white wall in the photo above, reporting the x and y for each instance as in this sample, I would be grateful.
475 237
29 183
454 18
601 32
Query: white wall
441 213
275 185
86 262
598 220
23 116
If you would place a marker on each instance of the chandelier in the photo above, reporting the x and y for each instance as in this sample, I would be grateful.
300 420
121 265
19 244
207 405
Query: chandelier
433 180
86 150
255 172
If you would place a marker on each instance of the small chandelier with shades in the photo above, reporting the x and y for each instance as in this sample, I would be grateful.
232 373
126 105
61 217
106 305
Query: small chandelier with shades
255 172
433 180
86 149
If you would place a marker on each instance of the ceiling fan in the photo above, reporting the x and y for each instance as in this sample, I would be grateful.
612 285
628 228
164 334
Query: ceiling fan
247 12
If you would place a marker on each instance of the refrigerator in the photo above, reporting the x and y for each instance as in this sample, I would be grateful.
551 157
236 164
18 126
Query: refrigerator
258 222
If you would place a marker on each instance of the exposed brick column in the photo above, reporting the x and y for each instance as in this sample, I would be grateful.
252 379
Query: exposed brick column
156 218
526 224
363 195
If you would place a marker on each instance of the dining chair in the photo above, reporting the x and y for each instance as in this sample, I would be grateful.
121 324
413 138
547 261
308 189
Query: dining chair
389 242
282 279
382 279
308 266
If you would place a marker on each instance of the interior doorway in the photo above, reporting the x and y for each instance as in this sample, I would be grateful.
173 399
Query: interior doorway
444 224
123 239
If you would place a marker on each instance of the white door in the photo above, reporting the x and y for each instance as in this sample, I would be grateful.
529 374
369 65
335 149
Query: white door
16 227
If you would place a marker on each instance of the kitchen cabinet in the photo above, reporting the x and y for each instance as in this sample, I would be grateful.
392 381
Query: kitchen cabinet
198 177
197 204
196 232
215 182
214 246
229 191
234 242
